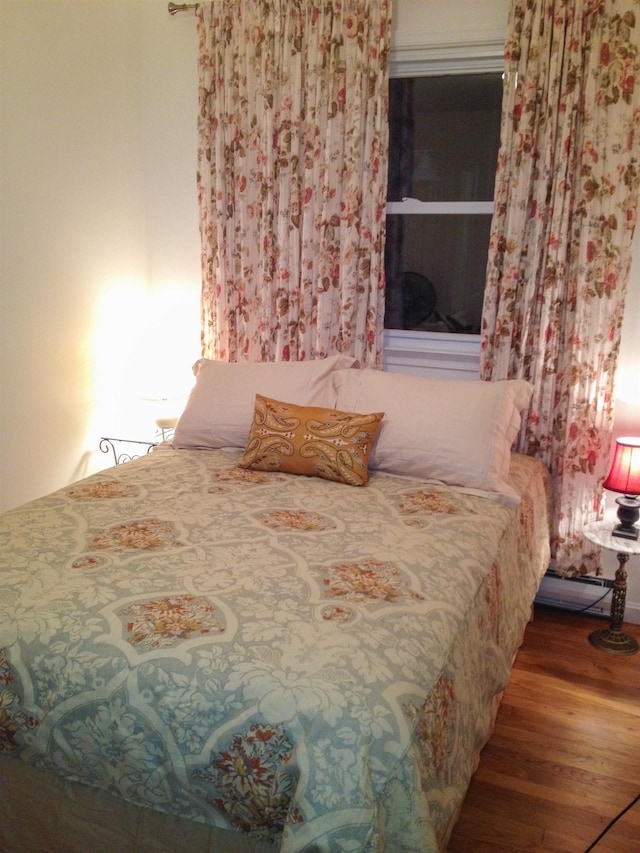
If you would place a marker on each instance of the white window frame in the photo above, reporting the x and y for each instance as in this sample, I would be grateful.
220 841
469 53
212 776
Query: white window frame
440 354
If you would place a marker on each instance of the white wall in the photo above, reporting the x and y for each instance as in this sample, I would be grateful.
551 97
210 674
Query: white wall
98 216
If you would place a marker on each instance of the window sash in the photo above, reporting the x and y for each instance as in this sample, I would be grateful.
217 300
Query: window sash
448 54
438 353
414 205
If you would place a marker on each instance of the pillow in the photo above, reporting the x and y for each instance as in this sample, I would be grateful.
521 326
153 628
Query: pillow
310 440
220 407
458 431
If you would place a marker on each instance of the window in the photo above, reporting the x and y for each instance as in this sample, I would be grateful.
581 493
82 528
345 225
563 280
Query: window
443 147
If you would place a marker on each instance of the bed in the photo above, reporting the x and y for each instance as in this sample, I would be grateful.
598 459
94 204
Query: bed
288 630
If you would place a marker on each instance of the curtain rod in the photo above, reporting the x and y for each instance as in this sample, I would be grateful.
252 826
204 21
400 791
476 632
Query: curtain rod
174 8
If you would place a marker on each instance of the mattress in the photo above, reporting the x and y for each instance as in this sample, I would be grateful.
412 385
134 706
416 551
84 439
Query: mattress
194 655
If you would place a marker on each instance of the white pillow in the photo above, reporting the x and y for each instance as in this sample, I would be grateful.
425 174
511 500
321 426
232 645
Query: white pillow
219 411
459 431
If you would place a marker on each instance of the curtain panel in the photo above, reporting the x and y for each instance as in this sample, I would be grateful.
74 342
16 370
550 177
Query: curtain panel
292 177
567 189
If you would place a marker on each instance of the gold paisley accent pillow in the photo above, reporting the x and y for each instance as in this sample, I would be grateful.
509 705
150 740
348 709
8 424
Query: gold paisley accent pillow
310 440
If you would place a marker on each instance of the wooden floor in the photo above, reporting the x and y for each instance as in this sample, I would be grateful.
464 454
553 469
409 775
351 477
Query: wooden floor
564 758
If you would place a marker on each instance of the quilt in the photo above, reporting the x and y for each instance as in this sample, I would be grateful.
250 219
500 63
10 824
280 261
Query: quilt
310 665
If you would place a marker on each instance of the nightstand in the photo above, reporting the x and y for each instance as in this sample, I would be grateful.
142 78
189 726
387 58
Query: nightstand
613 639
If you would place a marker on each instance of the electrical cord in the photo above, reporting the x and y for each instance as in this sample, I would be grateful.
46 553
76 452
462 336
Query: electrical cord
581 609
593 603
612 822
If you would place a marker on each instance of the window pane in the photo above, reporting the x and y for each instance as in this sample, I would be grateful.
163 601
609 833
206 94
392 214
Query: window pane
444 134
435 269
443 147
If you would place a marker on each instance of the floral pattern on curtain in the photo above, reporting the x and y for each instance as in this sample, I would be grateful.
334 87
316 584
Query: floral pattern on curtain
292 177
567 190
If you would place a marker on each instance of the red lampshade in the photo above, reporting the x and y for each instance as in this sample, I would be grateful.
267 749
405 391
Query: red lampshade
624 475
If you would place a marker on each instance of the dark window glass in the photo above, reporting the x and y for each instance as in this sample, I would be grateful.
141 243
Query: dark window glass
443 144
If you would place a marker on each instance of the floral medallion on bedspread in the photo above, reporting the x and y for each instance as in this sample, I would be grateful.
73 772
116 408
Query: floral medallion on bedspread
276 654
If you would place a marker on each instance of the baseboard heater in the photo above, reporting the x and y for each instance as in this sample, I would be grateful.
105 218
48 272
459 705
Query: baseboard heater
587 593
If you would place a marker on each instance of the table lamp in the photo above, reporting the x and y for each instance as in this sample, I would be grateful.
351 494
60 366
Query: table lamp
624 477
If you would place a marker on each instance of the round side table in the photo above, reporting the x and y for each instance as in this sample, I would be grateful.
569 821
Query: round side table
613 639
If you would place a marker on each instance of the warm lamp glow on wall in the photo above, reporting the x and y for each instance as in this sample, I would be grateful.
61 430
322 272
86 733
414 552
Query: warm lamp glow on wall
624 477
144 343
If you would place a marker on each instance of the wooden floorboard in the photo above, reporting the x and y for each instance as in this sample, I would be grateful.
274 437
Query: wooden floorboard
564 758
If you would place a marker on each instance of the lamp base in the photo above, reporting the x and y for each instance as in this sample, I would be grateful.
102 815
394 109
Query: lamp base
624 531
628 514
614 642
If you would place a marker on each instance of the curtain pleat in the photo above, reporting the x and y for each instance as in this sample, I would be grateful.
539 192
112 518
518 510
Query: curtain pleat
567 188
292 175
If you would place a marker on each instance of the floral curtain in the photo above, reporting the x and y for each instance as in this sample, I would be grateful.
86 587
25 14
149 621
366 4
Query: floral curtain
292 172
567 190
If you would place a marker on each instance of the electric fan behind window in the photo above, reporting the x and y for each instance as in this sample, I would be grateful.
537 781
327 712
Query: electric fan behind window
418 299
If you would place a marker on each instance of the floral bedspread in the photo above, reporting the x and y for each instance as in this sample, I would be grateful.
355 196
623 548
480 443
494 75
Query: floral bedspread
305 662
